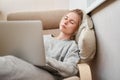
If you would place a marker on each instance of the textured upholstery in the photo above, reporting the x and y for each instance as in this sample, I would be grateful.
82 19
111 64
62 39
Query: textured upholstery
86 39
54 32
50 19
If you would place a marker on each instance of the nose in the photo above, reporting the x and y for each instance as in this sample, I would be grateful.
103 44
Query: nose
66 22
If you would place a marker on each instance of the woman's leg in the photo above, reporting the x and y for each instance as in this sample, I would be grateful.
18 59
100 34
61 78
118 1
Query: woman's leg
12 68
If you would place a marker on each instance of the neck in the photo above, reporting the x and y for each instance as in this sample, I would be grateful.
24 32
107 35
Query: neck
63 36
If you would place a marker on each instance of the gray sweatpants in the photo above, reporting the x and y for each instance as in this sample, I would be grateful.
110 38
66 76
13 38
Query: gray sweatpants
13 68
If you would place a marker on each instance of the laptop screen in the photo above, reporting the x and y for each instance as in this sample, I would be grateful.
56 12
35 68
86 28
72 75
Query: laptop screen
23 39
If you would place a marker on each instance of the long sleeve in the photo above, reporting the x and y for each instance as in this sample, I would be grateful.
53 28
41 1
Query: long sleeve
66 66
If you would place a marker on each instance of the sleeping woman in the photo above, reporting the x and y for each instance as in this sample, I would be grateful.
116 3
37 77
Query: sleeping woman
62 54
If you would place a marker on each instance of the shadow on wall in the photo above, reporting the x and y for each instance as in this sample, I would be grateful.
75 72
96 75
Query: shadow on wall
99 63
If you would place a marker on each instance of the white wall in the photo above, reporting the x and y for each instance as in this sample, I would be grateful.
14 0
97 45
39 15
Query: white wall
89 2
106 18
8 6
86 5
24 5
81 4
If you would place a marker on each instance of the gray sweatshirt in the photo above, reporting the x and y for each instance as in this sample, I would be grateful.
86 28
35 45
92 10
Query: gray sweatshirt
63 55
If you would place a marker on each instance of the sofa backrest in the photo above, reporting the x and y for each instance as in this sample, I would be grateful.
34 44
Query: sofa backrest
50 19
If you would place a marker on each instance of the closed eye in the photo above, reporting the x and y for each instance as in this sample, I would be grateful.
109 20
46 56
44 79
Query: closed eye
72 22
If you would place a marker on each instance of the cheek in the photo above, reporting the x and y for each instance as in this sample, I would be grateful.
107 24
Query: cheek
74 28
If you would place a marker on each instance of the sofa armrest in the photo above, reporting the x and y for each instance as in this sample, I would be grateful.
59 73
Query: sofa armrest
84 71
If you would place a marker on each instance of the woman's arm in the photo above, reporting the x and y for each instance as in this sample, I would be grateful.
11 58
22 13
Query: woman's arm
68 66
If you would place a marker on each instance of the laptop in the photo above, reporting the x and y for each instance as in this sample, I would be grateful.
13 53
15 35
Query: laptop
23 39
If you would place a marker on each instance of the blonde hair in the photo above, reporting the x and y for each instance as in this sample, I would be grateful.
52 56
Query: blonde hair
80 14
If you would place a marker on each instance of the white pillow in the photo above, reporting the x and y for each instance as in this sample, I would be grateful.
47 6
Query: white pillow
86 40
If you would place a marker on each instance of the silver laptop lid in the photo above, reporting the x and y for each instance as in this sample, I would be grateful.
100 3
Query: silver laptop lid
23 39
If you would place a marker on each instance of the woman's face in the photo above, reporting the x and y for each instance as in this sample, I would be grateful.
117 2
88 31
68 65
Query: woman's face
69 23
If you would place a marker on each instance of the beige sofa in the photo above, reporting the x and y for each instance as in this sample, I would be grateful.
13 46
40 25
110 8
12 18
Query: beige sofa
86 36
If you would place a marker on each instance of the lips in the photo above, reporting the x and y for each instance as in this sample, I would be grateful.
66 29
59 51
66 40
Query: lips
63 26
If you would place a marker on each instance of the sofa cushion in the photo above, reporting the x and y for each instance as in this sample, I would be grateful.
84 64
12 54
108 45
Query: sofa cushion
50 19
54 32
85 38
